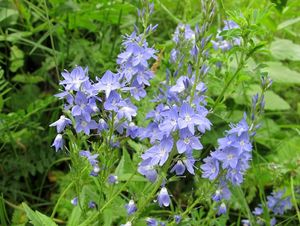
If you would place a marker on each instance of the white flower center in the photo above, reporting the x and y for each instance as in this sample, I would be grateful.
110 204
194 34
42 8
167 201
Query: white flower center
83 123
187 118
186 140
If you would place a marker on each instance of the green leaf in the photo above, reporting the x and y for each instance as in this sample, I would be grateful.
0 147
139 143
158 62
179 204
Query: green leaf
288 23
75 216
16 58
284 49
125 166
274 102
282 74
8 16
28 79
36 218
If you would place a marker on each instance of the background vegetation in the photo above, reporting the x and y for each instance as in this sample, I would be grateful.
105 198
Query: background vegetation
40 38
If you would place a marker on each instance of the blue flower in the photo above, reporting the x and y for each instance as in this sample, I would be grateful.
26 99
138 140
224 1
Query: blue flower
188 118
84 125
74 80
58 142
169 124
148 170
74 201
151 222
91 158
61 123
187 142
112 102
179 168
177 219
159 153
277 204
130 207
233 154
92 205
163 197
81 107
222 209
112 179
210 168
108 82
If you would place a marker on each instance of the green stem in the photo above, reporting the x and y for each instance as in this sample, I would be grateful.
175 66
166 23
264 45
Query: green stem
168 12
241 65
89 220
51 40
294 199
60 197
46 173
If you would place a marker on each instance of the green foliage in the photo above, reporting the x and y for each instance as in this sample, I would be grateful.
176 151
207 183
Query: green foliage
38 39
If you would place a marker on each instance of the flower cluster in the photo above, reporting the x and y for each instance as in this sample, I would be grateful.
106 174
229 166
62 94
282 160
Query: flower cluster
223 44
276 204
104 105
92 160
230 160
180 116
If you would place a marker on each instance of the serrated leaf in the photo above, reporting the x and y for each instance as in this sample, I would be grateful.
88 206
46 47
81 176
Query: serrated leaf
282 74
37 218
284 49
16 58
28 79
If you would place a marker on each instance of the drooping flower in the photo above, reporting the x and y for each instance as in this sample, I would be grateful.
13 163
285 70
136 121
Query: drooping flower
130 207
163 197
222 209
148 170
74 201
61 123
177 219
112 179
58 142
92 205
151 222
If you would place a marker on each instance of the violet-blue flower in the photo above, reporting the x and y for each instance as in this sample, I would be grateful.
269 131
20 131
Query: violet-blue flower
58 142
74 201
108 82
159 153
130 207
61 123
74 80
85 126
163 197
187 142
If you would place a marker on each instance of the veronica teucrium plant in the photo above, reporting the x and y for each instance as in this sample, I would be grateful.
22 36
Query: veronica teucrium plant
99 121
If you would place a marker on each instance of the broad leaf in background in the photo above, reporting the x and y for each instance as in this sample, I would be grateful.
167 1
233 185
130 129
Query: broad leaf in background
37 218
282 74
284 49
